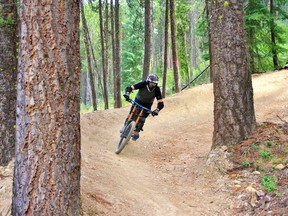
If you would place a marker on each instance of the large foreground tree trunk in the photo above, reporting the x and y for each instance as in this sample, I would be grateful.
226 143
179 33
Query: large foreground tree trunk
47 164
234 118
8 74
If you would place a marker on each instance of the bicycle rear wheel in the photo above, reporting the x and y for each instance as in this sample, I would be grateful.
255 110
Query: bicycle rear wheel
125 136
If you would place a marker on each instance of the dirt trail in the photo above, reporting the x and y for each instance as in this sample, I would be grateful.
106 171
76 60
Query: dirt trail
165 171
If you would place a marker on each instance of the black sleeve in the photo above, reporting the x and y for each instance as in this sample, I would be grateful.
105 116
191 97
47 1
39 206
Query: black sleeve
160 105
140 85
158 93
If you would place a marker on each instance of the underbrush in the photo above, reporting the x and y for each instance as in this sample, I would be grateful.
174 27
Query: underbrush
266 154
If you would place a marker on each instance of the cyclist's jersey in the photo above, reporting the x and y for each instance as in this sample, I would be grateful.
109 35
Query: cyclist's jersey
146 97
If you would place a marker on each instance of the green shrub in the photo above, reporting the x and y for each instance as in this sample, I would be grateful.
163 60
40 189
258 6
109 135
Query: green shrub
246 164
265 154
269 182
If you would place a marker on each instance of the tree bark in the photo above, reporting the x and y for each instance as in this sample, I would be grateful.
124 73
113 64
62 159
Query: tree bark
113 52
8 77
251 36
153 38
106 43
174 47
165 49
103 53
88 55
48 155
234 117
147 41
84 87
117 54
273 39
95 66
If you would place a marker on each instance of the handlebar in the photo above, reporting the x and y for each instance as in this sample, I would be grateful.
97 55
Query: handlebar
139 105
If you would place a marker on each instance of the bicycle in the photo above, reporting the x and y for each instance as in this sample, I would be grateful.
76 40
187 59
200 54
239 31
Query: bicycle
133 118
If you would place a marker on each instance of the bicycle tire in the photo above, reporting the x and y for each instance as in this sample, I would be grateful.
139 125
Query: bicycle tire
125 136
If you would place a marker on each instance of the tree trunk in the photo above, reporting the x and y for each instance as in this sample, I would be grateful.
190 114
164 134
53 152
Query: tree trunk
113 52
47 164
165 49
174 47
8 77
251 36
117 54
147 41
159 40
84 87
89 64
273 40
234 117
103 53
95 66
106 51
153 38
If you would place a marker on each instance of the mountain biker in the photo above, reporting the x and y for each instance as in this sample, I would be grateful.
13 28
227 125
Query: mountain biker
148 90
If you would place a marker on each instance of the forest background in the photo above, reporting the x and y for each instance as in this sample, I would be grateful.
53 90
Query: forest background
266 29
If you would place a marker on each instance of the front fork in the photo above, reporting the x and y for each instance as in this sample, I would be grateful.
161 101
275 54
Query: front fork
133 113
131 117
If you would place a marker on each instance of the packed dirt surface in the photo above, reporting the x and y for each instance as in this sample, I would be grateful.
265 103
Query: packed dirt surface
165 172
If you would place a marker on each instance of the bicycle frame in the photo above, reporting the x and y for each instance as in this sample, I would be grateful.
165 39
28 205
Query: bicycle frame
133 112
130 124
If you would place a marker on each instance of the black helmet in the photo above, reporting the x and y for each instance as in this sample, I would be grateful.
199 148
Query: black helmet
152 78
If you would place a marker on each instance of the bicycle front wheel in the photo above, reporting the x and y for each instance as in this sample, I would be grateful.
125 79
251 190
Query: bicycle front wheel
125 136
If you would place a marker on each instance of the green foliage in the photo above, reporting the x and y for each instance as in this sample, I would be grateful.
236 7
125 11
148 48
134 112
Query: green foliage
265 154
85 108
269 182
6 22
182 23
270 143
258 28
202 32
132 45
258 31
245 164
170 84
92 20
254 146
277 160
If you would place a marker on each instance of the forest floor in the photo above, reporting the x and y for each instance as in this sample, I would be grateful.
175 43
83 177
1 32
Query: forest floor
167 171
